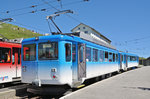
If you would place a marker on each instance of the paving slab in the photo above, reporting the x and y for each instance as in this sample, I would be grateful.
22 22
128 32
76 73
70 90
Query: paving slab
11 92
134 84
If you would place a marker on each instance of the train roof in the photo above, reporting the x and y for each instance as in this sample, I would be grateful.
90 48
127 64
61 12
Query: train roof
67 38
9 44
128 54
78 37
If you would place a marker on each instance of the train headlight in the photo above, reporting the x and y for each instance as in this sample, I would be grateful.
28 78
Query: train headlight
54 76
53 70
24 68
53 73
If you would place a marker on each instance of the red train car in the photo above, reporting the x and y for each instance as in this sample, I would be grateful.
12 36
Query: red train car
10 61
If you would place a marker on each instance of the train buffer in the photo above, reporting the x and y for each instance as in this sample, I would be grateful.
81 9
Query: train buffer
134 84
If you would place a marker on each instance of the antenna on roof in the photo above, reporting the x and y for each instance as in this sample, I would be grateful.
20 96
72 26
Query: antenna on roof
58 14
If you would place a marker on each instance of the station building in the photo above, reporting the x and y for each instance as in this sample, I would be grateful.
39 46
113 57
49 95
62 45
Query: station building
92 32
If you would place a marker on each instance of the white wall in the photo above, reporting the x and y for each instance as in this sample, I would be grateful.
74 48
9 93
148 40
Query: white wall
89 31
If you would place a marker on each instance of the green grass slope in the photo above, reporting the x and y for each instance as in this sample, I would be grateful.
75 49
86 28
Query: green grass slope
12 31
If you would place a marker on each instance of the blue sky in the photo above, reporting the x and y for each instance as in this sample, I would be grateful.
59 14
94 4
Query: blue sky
125 22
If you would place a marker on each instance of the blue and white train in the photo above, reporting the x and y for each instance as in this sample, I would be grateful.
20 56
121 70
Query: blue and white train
59 60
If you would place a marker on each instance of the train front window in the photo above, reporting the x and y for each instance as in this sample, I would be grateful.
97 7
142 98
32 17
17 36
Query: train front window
48 51
5 54
29 52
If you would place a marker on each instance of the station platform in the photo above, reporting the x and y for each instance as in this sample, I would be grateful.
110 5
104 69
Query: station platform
134 84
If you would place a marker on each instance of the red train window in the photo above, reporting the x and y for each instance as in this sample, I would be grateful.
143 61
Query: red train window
5 54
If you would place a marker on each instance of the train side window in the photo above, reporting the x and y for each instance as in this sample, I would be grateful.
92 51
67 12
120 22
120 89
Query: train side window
130 58
122 57
133 58
95 55
101 59
19 53
5 54
113 57
110 57
73 52
81 54
88 54
13 57
106 56
68 52
116 57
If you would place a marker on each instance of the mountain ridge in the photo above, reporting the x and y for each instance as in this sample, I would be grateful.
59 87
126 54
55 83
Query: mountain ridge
11 31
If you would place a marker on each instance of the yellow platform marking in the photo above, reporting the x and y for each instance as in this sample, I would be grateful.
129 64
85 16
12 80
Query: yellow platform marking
81 86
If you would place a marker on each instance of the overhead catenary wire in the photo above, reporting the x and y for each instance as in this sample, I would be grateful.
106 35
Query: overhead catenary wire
133 41
29 7
48 9
43 9
60 10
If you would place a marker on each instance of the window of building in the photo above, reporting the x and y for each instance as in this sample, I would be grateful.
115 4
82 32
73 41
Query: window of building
68 52
88 54
110 57
95 55
29 52
48 51
86 32
83 27
79 28
5 54
113 57
73 52
106 56
101 59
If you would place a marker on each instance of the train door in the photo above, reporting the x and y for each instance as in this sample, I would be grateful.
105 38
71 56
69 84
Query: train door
122 58
126 60
16 62
74 63
81 62
120 61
